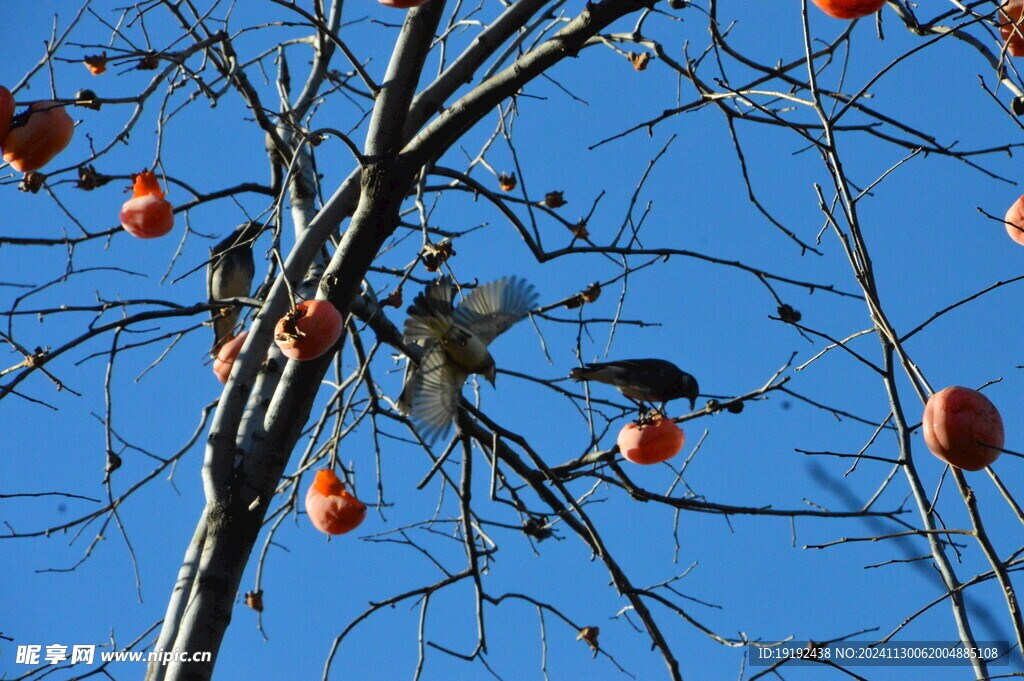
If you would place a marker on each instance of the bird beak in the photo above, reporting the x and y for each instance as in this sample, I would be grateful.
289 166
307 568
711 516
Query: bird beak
490 376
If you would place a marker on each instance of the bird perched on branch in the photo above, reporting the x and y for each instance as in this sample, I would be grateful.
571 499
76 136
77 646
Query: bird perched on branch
229 275
454 342
642 380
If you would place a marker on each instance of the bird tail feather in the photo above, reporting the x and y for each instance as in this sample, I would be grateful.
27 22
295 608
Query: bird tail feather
404 403
578 374
223 328
590 372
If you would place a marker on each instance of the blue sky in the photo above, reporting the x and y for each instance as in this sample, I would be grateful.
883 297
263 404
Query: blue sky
930 245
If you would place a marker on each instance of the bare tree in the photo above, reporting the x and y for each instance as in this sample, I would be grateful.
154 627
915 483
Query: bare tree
368 169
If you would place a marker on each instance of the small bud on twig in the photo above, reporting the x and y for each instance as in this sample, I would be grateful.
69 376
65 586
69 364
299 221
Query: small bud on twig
254 599
32 182
587 295
554 199
589 634
639 60
435 255
87 99
89 179
789 314
96 63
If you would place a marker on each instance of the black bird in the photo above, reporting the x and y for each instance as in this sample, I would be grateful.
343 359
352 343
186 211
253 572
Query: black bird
229 275
642 380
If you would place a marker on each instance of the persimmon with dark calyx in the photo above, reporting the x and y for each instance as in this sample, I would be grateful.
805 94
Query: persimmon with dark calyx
147 215
308 331
651 440
849 9
330 508
227 355
6 111
1015 221
1011 27
963 428
37 135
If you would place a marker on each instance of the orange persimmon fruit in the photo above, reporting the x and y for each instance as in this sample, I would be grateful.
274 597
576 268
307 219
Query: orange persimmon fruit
849 9
1015 221
147 214
330 508
651 441
1011 27
308 331
6 111
227 355
963 428
37 136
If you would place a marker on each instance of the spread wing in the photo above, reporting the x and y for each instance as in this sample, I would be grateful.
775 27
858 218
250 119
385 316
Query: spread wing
430 314
435 392
491 309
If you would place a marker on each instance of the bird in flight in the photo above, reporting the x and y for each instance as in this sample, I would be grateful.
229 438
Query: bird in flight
454 342
642 380
229 275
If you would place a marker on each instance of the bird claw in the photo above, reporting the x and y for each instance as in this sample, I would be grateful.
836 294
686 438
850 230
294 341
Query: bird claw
649 416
